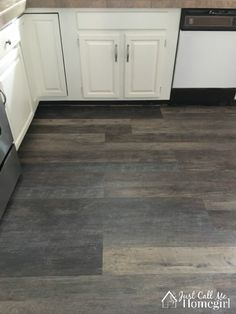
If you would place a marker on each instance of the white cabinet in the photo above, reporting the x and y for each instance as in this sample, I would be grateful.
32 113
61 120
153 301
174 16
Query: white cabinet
81 54
143 64
13 82
100 64
127 54
123 61
42 49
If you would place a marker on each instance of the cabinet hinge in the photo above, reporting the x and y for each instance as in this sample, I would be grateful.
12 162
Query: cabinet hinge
160 89
82 91
165 43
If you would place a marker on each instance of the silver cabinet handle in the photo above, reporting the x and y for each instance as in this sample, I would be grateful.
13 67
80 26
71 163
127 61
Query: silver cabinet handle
4 97
128 46
116 53
8 42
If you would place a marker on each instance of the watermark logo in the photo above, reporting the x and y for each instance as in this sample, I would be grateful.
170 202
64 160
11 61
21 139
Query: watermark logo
169 301
210 299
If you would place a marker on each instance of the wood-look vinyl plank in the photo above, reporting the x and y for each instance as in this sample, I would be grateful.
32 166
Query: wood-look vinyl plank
211 110
62 174
224 282
221 205
121 156
155 260
121 221
81 122
78 129
66 140
171 190
83 213
166 179
72 144
96 294
51 238
62 192
183 125
57 252
161 222
212 198
223 219
170 171
191 137
72 306
145 172
179 146
100 287
200 116
208 160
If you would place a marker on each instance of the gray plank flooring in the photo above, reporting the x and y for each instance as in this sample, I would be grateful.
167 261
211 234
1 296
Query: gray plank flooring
116 206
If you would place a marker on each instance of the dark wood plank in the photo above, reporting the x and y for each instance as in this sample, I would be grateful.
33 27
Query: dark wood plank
95 294
39 238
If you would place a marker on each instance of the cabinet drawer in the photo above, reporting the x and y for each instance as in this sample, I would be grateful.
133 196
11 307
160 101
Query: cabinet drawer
9 38
123 19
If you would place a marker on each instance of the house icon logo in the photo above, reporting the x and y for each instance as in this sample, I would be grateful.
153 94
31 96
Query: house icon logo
169 301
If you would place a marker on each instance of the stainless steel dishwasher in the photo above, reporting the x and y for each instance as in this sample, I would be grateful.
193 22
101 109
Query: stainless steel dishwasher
10 169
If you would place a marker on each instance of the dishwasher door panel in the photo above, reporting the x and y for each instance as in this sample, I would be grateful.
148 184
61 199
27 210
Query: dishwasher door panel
206 59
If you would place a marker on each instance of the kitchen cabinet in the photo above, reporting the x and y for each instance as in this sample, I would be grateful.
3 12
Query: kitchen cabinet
143 64
127 54
81 54
43 53
104 55
100 64
13 82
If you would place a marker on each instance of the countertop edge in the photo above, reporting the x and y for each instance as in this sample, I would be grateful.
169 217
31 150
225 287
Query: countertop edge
135 4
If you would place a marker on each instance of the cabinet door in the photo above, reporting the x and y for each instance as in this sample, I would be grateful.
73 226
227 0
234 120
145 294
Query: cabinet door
13 82
42 49
100 55
143 64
